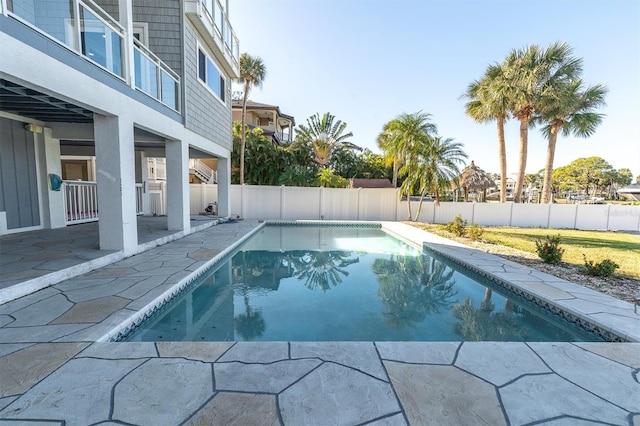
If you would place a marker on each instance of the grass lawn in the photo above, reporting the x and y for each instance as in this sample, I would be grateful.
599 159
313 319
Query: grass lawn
622 248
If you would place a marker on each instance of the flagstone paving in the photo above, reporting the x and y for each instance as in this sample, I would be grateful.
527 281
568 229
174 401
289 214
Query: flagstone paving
53 369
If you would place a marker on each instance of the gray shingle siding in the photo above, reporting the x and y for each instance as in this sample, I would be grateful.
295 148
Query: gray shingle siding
205 114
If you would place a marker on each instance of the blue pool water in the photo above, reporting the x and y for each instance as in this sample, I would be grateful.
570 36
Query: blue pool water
346 284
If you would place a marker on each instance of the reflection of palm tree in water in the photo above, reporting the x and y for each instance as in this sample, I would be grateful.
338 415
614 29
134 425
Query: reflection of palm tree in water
323 269
249 324
412 288
483 324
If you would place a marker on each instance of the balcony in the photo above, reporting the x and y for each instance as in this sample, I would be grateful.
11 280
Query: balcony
86 29
209 17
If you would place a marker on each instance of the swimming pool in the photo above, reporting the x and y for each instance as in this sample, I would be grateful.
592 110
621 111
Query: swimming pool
346 283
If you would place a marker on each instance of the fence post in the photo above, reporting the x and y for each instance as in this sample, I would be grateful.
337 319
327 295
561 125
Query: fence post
282 202
511 214
548 215
473 211
358 206
608 215
320 203
575 217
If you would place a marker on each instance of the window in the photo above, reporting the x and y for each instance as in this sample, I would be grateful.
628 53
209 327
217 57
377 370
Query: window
209 75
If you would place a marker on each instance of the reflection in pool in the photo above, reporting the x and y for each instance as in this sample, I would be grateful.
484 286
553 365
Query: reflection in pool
350 285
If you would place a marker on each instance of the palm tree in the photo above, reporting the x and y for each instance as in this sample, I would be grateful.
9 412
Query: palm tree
401 135
324 136
570 111
442 164
252 74
533 74
489 100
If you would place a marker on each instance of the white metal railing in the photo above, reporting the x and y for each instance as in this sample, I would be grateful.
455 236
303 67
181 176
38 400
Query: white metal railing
87 29
224 31
284 137
204 172
81 201
154 77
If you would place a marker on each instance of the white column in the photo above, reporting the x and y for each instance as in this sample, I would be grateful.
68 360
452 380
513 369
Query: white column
53 208
116 183
177 157
224 182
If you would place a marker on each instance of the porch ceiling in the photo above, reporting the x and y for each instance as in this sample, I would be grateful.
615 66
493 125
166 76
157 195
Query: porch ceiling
20 100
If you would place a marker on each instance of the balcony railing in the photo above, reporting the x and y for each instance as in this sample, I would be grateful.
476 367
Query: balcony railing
85 28
223 29
154 77
284 137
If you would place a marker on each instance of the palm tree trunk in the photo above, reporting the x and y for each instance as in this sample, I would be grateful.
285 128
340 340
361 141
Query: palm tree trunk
524 141
409 206
548 166
243 137
420 205
502 153
395 173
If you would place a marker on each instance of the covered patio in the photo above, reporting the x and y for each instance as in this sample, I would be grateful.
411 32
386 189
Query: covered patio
33 260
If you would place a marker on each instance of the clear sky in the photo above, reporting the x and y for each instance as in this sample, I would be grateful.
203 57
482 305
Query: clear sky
368 61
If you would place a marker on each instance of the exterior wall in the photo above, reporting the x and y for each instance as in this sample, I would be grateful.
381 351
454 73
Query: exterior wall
206 115
18 176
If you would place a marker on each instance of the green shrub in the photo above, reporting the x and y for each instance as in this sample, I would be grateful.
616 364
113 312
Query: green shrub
458 226
549 249
606 268
475 231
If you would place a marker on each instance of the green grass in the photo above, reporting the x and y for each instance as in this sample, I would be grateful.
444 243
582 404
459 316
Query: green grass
622 248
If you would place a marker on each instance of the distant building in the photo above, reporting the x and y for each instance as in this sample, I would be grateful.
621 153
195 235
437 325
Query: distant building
276 125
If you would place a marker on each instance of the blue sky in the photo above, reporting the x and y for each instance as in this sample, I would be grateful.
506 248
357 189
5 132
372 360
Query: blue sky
368 61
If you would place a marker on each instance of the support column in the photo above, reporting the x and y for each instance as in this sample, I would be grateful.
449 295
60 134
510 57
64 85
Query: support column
115 175
177 157
53 208
224 182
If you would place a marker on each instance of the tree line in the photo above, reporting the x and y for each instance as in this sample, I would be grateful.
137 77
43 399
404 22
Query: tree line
534 85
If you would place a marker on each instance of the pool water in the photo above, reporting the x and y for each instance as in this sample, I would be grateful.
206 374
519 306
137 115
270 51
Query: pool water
346 284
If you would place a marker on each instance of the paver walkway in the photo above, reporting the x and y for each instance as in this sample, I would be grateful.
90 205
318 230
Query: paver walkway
52 371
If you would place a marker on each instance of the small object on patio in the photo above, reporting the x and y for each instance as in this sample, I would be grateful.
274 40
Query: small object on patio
212 209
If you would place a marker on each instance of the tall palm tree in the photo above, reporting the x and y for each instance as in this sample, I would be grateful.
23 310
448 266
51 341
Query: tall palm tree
533 74
399 139
489 100
570 111
324 136
252 74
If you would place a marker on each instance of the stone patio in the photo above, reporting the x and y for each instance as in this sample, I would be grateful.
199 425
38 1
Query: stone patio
53 370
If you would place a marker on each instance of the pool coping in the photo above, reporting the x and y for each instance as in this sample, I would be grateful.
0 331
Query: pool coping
613 319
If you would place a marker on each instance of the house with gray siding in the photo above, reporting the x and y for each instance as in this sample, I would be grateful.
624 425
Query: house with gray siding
115 82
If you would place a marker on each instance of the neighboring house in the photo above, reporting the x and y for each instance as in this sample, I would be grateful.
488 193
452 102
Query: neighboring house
631 192
105 85
277 126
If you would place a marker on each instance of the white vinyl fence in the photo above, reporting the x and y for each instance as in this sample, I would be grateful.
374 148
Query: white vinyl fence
293 203
290 203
